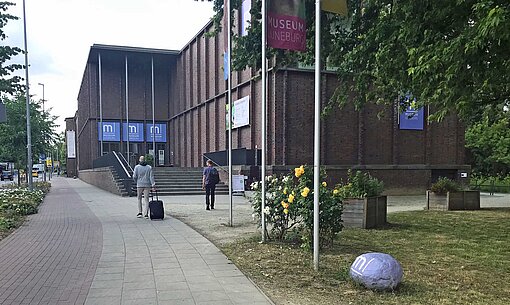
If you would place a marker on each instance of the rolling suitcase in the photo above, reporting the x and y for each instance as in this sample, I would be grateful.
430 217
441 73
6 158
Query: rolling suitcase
156 209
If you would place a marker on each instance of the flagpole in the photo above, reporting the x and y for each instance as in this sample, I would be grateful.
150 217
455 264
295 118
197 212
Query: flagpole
263 121
100 75
229 102
316 152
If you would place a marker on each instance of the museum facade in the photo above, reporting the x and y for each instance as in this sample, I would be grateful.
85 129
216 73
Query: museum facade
173 104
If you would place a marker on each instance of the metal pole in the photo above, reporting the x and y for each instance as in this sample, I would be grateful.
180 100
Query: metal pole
44 137
153 120
100 68
229 102
127 113
316 151
29 136
263 121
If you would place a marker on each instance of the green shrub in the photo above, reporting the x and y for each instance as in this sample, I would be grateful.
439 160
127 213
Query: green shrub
289 207
360 185
444 185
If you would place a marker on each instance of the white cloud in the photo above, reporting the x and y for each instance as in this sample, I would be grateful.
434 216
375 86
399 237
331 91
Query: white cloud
61 32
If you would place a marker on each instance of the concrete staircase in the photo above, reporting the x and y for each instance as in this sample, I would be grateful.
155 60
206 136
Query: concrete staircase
182 181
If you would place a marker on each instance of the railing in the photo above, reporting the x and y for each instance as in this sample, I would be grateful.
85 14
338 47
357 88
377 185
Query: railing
491 187
215 163
124 163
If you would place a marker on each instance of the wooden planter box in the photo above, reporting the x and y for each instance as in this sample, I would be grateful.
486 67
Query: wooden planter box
364 213
453 201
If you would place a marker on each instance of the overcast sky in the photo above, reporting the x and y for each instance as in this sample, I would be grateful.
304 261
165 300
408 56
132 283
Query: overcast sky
61 32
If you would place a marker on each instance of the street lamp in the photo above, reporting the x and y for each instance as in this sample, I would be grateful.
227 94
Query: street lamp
43 100
29 137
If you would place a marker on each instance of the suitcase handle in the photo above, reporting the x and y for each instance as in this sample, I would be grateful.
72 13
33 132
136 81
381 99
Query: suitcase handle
151 193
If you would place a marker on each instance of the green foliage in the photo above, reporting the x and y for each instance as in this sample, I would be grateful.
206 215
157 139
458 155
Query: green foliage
444 185
497 184
13 135
289 207
20 201
149 159
8 83
280 219
489 143
360 185
451 55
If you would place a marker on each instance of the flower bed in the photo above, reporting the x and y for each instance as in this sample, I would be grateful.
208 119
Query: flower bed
17 202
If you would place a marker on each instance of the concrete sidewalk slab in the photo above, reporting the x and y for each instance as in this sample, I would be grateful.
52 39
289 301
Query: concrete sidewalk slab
159 262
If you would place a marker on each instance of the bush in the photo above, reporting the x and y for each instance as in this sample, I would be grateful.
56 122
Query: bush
444 185
289 207
360 185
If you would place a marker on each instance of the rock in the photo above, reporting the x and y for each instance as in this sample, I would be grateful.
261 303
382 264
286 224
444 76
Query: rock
378 271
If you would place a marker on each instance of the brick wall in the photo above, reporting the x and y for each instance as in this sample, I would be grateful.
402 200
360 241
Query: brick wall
100 177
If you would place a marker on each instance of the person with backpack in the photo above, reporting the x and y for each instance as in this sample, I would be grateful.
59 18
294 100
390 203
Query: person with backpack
210 178
144 179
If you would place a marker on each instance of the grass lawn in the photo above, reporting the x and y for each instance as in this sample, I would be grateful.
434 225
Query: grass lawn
447 257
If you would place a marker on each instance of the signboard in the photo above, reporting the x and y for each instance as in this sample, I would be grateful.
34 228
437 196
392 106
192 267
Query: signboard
161 157
71 144
110 131
135 132
238 183
240 113
286 25
159 131
412 119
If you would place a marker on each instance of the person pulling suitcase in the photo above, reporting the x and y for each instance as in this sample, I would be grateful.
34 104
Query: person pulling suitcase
144 179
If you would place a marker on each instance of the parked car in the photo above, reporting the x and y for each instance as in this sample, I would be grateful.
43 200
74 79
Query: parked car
6 171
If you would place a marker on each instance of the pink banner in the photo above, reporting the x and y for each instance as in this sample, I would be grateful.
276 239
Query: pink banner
286 32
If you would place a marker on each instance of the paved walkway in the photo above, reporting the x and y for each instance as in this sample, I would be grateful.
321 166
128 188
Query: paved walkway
87 247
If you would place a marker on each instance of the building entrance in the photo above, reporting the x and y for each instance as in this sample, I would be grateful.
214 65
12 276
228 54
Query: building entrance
160 155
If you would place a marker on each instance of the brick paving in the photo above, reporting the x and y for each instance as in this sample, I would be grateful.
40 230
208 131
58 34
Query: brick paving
86 246
52 259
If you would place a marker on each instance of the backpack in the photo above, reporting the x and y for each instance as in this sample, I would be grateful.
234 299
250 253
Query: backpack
214 176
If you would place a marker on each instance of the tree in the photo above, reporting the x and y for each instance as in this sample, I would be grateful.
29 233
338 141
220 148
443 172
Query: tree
8 83
451 55
13 133
489 143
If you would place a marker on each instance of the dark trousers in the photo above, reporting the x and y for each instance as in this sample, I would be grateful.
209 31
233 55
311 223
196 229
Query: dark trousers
209 191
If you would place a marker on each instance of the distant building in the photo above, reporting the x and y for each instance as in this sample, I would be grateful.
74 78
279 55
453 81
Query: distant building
120 85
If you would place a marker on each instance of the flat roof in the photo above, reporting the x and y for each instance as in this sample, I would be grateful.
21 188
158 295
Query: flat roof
133 49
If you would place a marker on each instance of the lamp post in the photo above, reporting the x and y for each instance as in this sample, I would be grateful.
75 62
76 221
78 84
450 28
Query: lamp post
29 136
43 100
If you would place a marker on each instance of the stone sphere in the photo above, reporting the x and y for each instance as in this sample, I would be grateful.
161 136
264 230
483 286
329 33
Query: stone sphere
379 271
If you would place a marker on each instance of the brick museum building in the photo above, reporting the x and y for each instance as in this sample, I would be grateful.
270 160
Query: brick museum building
134 99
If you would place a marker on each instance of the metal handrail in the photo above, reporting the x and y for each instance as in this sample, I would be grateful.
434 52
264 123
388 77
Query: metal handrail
216 164
122 164
124 158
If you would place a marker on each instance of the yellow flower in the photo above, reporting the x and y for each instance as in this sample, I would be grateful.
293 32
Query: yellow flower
286 211
305 192
285 205
291 198
324 184
335 192
298 171
285 191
